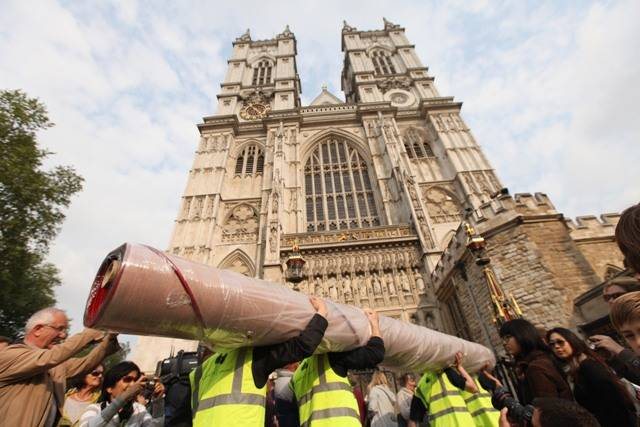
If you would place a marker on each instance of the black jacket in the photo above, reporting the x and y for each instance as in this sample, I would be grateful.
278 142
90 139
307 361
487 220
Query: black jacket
268 358
600 392
366 357
627 365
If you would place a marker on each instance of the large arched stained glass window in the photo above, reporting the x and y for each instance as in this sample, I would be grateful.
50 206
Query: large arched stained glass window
338 192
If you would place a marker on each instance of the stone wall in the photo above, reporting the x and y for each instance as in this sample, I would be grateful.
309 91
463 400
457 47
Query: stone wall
535 258
595 240
601 255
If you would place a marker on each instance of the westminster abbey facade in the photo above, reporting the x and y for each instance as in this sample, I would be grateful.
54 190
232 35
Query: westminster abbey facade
373 188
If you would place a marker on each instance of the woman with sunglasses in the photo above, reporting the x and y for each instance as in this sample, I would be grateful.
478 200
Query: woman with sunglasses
595 387
117 406
83 391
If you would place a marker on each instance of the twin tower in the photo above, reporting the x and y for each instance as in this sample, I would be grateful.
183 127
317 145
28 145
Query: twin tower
372 188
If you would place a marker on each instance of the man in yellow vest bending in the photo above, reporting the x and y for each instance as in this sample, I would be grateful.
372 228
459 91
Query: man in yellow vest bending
320 383
229 387
452 398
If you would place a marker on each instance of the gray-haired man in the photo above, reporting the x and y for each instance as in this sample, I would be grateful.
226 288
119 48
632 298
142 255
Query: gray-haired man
33 372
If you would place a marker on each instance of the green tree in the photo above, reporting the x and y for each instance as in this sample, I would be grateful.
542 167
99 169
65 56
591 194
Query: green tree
31 211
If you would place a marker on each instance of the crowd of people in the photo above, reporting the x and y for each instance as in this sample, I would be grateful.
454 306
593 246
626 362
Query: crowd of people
558 378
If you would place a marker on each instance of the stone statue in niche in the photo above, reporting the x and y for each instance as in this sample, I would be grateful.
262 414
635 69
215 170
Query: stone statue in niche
391 285
412 191
273 239
360 284
347 285
419 280
274 202
314 286
333 289
404 280
293 201
377 290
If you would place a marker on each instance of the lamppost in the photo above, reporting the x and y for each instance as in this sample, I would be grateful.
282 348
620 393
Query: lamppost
295 263
505 307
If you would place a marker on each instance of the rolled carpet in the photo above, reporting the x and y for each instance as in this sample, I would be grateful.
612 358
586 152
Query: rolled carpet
144 291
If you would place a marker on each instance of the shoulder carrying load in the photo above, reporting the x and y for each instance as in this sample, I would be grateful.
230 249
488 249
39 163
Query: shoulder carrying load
141 290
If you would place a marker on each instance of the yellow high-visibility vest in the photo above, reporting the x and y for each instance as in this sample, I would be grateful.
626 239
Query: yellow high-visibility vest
444 403
325 399
223 391
480 407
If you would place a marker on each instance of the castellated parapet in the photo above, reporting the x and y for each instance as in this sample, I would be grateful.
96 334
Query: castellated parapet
590 227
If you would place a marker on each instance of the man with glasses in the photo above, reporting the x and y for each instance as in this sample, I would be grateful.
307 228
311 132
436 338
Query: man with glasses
33 372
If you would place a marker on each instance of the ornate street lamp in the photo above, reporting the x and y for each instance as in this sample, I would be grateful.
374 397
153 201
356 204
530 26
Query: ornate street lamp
505 307
295 263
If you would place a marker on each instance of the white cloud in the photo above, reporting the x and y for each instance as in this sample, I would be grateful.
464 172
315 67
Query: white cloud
550 92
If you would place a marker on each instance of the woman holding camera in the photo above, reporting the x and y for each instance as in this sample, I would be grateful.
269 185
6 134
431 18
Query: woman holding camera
595 387
117 406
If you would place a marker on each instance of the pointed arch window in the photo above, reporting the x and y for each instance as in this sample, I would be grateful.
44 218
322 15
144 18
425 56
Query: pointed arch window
382 62
416 145
262 73
338 193
250 161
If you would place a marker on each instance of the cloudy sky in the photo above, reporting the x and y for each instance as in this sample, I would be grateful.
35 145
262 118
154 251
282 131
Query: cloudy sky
550 91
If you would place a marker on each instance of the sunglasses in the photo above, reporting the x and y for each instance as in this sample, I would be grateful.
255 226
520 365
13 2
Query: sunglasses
559 343
60 329
611 297
129 379
506 338
96 373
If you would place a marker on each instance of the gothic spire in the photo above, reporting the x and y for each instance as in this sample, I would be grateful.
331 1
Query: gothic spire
388 25
346 28
246 37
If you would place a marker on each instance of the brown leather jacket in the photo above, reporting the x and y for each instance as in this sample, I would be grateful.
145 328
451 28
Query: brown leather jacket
32 380
539 377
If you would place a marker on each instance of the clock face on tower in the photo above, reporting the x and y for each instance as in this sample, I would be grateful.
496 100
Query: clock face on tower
254 111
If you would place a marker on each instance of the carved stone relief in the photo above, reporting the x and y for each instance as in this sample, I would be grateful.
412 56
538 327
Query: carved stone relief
448 122
373 277
241 225
400 82
442 205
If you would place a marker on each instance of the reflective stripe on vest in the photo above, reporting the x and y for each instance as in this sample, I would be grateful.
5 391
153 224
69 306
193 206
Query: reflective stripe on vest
226 390
324 397
194 378
480 407
443 401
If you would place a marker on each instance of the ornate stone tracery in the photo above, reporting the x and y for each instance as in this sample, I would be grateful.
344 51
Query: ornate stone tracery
395 82
241 225
442 205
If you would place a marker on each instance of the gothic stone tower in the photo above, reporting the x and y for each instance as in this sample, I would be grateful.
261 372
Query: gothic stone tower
371 189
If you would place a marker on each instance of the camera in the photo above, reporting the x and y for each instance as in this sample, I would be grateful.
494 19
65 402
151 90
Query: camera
150 384
177 366
501 397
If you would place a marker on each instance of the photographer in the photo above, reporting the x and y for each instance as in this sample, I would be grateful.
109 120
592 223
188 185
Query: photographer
543 412
117 406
